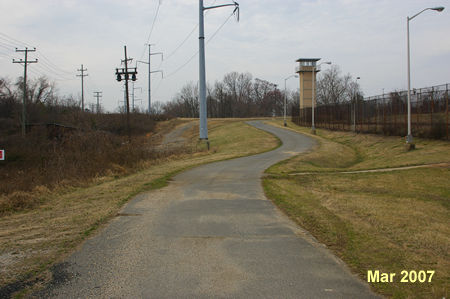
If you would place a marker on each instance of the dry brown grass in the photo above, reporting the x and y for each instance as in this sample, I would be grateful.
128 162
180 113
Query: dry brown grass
75 160
32 240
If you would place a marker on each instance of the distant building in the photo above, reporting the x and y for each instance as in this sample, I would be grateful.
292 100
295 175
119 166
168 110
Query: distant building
305 74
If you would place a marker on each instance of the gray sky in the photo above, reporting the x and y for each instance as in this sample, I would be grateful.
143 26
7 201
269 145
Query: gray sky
366 38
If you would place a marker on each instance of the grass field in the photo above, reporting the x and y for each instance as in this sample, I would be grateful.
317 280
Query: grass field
34 239
387 221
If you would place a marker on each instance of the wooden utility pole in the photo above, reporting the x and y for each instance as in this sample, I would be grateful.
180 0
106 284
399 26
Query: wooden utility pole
98 95
126 72
82 70
25 63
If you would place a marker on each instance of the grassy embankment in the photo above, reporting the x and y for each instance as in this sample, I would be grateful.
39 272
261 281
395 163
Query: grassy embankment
32 240
387 221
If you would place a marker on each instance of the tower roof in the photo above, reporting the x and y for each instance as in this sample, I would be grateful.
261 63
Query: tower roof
307 59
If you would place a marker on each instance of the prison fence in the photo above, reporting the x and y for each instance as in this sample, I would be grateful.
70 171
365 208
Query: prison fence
385 114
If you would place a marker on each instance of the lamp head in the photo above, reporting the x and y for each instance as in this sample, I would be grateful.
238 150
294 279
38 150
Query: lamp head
328 62
439 8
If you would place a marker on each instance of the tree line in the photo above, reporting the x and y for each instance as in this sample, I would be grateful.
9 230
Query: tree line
241 95
237 95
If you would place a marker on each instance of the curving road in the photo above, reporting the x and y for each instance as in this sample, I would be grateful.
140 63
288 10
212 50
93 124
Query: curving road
210 233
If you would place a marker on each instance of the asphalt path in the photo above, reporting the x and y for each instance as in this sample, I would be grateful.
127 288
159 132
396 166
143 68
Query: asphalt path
210 233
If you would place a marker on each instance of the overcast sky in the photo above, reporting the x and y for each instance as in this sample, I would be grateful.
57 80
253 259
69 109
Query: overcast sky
365 38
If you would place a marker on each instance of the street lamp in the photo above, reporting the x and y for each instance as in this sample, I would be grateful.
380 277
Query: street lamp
409 137
313 128
285 96
354 105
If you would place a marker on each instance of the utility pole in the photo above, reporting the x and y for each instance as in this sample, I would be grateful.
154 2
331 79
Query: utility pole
126 73
133 100
82 70
202 76
149 74
25 63
98 95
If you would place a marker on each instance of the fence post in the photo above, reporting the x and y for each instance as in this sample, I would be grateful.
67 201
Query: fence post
350 115
405 108
446 109
418 113
384 115
367 116
395 116
431 110
376 116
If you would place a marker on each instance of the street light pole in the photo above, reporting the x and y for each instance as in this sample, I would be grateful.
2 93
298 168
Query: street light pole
313 128
354 106
202 76
285 97
409 137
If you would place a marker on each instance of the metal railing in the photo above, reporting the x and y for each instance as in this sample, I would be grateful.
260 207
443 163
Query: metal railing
385 114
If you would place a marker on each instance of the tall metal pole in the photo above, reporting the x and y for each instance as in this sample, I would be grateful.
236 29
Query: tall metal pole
202 76
409 138
150 72
149 81
285 124
355 95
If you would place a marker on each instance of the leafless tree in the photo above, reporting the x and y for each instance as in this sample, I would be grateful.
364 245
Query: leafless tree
335 88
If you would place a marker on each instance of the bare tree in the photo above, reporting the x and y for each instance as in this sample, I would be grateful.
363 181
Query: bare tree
335 88
237 95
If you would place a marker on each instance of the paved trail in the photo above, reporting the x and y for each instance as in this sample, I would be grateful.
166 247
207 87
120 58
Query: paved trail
210 233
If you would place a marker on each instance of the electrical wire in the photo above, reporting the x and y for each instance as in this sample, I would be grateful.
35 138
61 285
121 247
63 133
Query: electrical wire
185 39
5 47
182 43
51 64
195 54
151 29
13 41
45 67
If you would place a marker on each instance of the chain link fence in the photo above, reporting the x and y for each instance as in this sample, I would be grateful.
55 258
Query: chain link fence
385 114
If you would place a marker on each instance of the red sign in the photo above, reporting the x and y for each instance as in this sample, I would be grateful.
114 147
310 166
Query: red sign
2 155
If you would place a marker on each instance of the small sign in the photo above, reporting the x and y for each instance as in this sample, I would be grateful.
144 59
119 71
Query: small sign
2 155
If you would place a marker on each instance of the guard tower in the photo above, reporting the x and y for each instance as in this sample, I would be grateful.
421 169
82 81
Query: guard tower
306 69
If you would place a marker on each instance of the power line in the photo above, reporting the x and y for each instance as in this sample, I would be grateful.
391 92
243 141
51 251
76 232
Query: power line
7 48
184 40
52 65
182 43
13 41
195 54
10 43
49 71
